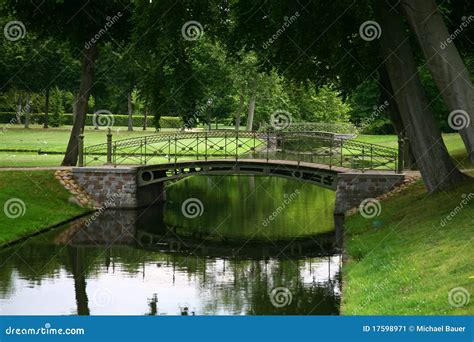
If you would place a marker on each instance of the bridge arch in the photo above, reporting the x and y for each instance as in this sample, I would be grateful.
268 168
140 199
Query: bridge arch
318 174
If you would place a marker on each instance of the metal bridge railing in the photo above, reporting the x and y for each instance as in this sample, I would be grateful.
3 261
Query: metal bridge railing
314 147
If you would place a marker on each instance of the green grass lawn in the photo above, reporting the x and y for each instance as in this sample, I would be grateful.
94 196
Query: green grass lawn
56 139
15 159
42 196
406 261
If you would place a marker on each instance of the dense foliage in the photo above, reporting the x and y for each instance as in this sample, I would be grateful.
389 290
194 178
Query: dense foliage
147 67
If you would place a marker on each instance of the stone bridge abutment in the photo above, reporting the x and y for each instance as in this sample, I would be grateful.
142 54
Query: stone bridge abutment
117 187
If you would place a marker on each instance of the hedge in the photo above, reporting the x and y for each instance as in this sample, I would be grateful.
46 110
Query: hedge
118 120
337 127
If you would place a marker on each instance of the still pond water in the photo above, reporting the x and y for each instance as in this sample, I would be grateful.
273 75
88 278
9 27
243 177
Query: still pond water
242 245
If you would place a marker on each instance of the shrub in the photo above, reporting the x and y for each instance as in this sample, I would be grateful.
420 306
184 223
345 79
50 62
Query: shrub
336 127
171 122
7 117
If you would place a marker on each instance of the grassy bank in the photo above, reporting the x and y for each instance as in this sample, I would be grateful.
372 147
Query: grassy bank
31 201
407 260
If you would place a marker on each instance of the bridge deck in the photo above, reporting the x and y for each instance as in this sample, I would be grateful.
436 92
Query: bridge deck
272 162
254 162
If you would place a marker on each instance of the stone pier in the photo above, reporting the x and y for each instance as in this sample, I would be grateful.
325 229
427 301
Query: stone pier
353 188
116 187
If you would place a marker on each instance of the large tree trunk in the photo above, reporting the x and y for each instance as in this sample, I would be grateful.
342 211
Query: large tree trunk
94 99
18 110
145 118
239 111
445 64
386 94
89 55
27 110
74 108
130 110
251 112
435 164
46 108
145 114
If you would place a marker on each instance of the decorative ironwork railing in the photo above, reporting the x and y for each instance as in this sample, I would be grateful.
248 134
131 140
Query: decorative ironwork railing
306 146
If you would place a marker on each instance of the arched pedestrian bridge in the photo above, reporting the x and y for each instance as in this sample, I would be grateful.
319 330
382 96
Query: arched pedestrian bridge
137 168
330 149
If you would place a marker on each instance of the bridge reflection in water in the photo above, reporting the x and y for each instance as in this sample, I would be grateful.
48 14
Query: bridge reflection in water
154 262
232 278
147 229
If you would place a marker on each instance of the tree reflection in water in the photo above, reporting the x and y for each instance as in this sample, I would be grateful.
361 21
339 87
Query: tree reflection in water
149 269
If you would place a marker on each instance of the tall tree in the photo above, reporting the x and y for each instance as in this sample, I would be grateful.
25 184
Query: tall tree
167 45
417 117
445 64
285 38
386 94
85 25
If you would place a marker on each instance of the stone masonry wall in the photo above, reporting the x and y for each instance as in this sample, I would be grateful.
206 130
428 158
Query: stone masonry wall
113 187
353 188
116 187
